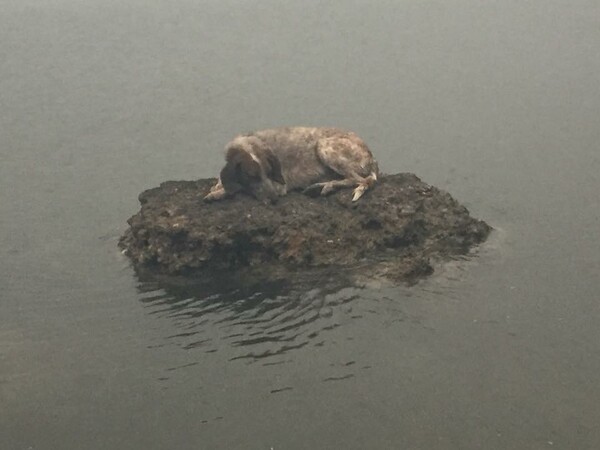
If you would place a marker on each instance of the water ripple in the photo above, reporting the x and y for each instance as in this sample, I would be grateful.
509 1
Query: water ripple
269 323
253 322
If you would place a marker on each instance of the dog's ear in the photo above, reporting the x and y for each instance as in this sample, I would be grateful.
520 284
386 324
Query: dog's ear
240 169
249 168
229 177
274 168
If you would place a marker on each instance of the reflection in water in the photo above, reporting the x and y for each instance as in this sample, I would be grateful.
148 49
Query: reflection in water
259 320
273 324
248 318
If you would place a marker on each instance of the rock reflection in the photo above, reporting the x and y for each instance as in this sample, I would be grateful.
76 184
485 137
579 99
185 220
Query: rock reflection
251 320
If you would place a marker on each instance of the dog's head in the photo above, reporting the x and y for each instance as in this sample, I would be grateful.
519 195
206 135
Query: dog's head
252 172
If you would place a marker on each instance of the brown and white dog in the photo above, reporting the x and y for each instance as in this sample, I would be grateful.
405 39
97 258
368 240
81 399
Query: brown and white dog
269 163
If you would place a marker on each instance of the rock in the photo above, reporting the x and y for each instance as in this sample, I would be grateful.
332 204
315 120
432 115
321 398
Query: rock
394 231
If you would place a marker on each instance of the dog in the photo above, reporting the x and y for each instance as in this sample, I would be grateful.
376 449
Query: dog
269 163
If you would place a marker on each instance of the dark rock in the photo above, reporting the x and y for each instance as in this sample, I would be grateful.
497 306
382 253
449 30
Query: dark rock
393 231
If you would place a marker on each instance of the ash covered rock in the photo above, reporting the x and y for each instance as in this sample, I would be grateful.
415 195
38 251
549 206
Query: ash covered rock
394 231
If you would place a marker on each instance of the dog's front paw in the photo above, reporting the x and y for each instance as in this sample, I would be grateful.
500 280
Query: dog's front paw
208 198
214 195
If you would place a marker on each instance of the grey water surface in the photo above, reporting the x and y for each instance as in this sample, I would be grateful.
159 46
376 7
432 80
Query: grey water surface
496 102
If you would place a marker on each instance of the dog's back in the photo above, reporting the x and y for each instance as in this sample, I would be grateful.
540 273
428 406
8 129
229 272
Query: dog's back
302 162
296 149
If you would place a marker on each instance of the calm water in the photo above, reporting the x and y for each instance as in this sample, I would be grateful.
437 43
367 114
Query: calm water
496 102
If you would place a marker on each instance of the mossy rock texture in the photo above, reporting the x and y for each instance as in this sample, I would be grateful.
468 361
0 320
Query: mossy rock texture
394 231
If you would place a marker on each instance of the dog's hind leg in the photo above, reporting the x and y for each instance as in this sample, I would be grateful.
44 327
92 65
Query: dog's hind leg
348 156
327 187
361 183
364 185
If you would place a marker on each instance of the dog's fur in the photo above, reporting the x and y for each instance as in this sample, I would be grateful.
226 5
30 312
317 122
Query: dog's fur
269 163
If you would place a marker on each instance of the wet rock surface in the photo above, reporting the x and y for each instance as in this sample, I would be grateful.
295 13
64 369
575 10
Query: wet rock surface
395 231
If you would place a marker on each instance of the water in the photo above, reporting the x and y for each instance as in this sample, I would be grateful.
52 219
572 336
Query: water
496 102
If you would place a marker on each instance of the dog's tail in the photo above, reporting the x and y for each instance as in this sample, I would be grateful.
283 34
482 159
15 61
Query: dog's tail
364 184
